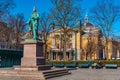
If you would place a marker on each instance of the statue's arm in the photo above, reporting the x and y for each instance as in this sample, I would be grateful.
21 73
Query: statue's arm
28 21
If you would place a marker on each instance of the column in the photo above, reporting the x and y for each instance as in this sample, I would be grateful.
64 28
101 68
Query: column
60 46
103 54
56 55
74 55
85 54
78 54
70 55
51 55
53 43
73 41
118 54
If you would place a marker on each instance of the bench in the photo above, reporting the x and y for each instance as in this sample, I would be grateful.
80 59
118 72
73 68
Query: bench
85 64
71 65
111 66
58 64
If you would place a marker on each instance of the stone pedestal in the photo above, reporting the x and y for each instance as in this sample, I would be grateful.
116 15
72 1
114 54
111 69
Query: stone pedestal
33 58
32 65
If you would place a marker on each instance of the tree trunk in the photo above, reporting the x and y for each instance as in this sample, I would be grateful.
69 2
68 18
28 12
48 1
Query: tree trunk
45 52
64 49
106 52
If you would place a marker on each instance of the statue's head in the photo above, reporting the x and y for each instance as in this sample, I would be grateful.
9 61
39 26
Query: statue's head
34 9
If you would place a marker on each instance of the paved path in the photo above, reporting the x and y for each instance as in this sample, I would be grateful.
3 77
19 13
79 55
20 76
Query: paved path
87 74
91 74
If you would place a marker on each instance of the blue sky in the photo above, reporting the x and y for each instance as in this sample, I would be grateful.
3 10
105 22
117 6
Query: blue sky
26 7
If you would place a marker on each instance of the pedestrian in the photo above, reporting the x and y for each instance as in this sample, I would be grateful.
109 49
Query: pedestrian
99 65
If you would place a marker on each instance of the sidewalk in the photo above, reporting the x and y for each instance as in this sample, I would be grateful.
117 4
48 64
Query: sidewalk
87 74
91 74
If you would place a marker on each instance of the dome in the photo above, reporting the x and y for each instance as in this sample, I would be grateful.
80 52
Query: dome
88 25
90 28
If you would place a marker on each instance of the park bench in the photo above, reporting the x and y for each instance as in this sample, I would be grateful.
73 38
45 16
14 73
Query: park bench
111 66
58 64
71 65
85 64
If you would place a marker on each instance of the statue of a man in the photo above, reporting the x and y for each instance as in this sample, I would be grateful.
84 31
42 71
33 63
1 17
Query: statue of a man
33 24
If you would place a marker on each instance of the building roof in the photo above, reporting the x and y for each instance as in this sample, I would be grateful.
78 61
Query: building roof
88 24
89 28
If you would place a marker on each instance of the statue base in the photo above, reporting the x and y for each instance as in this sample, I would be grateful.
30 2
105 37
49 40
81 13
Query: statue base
33 58
32 68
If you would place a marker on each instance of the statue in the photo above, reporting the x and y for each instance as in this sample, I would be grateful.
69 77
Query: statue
33 26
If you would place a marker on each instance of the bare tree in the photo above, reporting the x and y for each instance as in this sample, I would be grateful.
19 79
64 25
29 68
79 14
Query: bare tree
5 6
4 32
44 27
91 47
105 15
64 14
17 25
92 43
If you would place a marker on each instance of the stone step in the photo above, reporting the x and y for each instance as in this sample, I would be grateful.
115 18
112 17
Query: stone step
44 67
21 75
17 78
33 75
32 68
20 72
53 70
55 73
28 75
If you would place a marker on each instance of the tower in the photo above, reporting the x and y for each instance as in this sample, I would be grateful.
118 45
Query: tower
86 19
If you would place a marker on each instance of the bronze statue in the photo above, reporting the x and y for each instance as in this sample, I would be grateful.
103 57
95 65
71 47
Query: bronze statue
33 25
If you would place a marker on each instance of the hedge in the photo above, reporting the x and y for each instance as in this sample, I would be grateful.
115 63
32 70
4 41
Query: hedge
109 62
95 61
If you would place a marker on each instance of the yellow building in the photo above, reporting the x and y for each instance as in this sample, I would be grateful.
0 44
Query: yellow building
89 46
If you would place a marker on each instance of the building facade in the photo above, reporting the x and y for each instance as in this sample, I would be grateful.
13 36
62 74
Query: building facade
87 46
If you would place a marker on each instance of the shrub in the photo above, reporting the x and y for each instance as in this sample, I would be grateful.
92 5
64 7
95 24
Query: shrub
95 61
